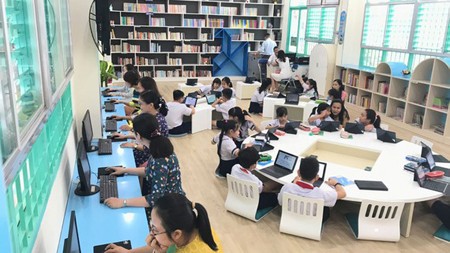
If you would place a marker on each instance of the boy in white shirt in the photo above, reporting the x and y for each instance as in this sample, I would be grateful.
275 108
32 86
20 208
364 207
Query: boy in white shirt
177 109
303 185
223 105
248 158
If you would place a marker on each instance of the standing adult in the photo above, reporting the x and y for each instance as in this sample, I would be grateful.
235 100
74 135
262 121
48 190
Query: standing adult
265 51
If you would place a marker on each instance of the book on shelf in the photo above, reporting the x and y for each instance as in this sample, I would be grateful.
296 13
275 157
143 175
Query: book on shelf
130 48
439 129
113 34
244 23
206 60
383 87
251 11
365 101
177 8
194 22
205 36
132 7
157 21
175 61
123 61
210 49
417 119
116 48
248 36
440 103
216 22
146 73
155 47
382 106
127 20
350 78
368 84
351 98
399 112
176 35
146 61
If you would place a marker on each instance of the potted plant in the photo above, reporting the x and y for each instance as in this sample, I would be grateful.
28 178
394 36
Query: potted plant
106 73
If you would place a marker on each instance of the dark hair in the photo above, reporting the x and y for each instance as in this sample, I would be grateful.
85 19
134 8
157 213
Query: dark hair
129 67
265 85
373 117
275 47
281 111
145 125
281 56
149 83
334 93
177 212
309 167
177 94
343 114
313 85
228 93
248 156
216 80
341 86
267 35
228 81
150 97
227 125
131 77
320 108
238 112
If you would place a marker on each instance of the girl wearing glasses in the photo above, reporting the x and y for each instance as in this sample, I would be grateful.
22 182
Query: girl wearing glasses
177 225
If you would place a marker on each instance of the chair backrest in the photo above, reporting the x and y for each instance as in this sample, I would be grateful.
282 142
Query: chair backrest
417 140
379 220
265 123
302 216
242 197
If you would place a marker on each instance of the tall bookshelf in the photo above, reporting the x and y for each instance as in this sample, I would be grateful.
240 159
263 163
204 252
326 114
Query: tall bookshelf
167 38
418 102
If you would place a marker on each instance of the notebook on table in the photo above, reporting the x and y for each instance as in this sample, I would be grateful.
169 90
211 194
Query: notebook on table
371 185
101 248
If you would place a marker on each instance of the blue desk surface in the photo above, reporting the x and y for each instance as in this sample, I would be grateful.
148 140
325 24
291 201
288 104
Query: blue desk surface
98 224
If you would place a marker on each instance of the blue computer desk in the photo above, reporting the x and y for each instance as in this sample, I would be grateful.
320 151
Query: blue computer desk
97 223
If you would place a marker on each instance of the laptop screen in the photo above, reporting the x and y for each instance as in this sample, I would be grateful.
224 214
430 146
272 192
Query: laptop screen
429 156
292 97
191 101
286 160
322 170
420 175
211 98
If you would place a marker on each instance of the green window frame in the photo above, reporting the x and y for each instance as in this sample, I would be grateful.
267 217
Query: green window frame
321 24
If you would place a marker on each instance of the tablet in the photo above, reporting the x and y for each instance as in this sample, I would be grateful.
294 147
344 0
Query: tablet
371 185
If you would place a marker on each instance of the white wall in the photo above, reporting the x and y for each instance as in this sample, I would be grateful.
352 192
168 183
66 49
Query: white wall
86 78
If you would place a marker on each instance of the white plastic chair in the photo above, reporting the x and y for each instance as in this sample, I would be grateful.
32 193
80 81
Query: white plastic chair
302 216
243 199
265 123
384 126
417 140
378 221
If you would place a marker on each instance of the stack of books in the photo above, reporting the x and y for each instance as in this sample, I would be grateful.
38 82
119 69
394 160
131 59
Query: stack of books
439 129
383 87
365 101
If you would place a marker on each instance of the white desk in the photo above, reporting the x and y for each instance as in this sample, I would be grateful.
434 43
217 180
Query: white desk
187 88
246 90
201 120
387 168
268 105
300 111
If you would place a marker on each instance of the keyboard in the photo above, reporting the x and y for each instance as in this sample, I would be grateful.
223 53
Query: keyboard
110 107
104 147
111 125
275 171
435 186
108 187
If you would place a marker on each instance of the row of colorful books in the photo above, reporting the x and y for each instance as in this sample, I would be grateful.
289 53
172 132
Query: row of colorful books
144 7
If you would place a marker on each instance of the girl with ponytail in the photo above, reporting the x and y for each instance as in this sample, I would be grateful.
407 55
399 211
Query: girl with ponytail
370 120
226 147
178 225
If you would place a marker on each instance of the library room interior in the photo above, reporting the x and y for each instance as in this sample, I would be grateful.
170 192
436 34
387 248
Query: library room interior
224 126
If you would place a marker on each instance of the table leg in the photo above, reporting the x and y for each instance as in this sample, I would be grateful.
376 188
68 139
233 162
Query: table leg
406 219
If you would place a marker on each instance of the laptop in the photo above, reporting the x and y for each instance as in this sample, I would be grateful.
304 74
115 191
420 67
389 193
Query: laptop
431 184
284 165
192 94
329 126
427 153
271 133
211 98
386 136
192 81
190 101
217 93
290 127
321 173
292 99
354 128
249 79
101 248
261 143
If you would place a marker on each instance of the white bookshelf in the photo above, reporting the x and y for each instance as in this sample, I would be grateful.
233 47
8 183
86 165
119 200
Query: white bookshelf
154 34
417 102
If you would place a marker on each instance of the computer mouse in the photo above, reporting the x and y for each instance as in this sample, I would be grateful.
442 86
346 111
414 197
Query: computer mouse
110 117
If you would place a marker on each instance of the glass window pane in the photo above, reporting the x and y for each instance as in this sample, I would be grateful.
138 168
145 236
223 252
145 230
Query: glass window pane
328 20
370 57
298 2
313 23
447 47
399 26
377 1
396 57
417 58
374 25
430 27
309 47
8 139
293 31
67 48
26 78
302 32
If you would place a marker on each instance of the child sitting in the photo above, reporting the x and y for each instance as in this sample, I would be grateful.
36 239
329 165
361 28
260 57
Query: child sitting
227 84
256 102
319 114
176 112
248 158
206 90
303 185
246 122
281 120
338 112
222 106
370 120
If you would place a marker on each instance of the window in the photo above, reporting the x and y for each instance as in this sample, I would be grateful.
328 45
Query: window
407 31
320 25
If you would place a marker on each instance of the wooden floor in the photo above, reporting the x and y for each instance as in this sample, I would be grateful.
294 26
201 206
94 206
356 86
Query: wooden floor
198 159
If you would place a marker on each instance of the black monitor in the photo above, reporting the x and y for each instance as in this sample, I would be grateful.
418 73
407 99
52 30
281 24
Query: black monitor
84 187
103 25
72 243
86 131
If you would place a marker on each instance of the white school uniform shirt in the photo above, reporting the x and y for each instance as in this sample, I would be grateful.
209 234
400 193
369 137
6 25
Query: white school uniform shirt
267 47
374 130
225 107
258 97
244 174
328 194
275 123
228 147
175 114
243 130
125 92
317 121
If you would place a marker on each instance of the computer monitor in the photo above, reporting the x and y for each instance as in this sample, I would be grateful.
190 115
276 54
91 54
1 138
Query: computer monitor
72 243
86 131
84 187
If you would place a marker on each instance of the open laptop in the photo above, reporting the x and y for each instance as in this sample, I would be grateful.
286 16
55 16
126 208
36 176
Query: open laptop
354 128
321 173
427 153
261 143
329 126
431 184
249 79
192 81
218 94
211 98
290 127
386 136
284 165
190 101
292 99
